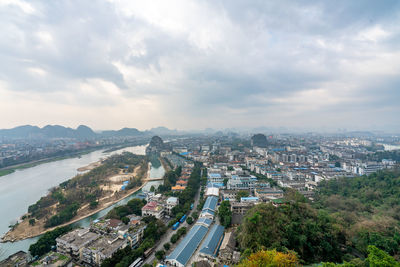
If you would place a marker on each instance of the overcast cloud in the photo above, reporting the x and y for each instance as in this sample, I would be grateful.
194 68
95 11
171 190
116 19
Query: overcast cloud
195 64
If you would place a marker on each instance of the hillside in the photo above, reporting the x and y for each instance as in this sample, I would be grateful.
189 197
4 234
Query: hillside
368 207
348 217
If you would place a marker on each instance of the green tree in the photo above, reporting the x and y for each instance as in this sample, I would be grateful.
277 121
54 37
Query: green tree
225 213
93 204
226 181
379 258
241 193
189 220
46 241
295 226
167 246
32 221
125 220
160 254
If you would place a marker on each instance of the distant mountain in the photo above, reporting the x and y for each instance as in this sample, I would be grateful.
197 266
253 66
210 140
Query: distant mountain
163 131
123 132
25 131
82 132
85 132
49 131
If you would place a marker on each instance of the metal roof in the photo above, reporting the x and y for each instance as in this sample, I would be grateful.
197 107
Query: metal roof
211 244
204 212
204 221
214 175
211 203
188 245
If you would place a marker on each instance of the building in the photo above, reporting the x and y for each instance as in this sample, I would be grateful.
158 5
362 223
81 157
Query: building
186 248
72 243
212 191
215 178
17 259
239 210
153 209
241 182
209 248
249 199
266 194
227 248
210 204
171 202
101 249
178 188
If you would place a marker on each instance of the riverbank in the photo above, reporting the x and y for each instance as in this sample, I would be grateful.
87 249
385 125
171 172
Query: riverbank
109 148
116 193
10 169
165 164
90 167
24 230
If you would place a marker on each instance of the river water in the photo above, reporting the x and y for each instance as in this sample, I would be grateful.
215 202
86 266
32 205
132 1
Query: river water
24 187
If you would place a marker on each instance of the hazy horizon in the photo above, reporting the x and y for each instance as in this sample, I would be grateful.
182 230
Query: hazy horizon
190 65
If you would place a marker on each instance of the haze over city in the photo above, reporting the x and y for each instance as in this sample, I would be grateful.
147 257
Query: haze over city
315 65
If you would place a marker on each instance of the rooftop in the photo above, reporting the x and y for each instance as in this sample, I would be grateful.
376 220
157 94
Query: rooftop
78 237
213 240
211 203
204 221
184 251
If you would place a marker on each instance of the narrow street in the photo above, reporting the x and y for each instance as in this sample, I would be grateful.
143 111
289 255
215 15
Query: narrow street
167 236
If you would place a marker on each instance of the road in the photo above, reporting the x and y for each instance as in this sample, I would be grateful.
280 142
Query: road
167 236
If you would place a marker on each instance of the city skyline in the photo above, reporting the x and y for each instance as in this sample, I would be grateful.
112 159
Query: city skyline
201 64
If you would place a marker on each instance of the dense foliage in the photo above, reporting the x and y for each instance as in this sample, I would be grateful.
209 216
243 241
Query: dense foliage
187 196
134 206
390 155
368 207
85 189
376 258
46 241
295 226
225 213
271 258
65 215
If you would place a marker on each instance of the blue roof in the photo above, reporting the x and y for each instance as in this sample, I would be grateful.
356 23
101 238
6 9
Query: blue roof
211 244
209 211
188 245
249 198
215 184
204 221
211 203
214 175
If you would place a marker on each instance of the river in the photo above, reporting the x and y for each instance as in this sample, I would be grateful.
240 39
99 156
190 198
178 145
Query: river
24 187
391 147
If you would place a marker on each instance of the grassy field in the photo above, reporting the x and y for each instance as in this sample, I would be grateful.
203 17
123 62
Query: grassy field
5 172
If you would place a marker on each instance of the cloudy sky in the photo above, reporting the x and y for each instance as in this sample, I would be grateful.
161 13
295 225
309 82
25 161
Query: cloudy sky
194 64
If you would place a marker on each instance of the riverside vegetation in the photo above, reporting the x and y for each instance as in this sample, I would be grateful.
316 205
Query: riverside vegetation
83 193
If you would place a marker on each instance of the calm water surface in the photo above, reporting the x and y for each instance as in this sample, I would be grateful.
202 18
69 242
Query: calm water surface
24 187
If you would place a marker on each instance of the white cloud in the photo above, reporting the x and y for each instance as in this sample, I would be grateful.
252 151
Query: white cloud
198 63
24 6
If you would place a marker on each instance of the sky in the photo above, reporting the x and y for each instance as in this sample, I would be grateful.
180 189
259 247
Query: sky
195 64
